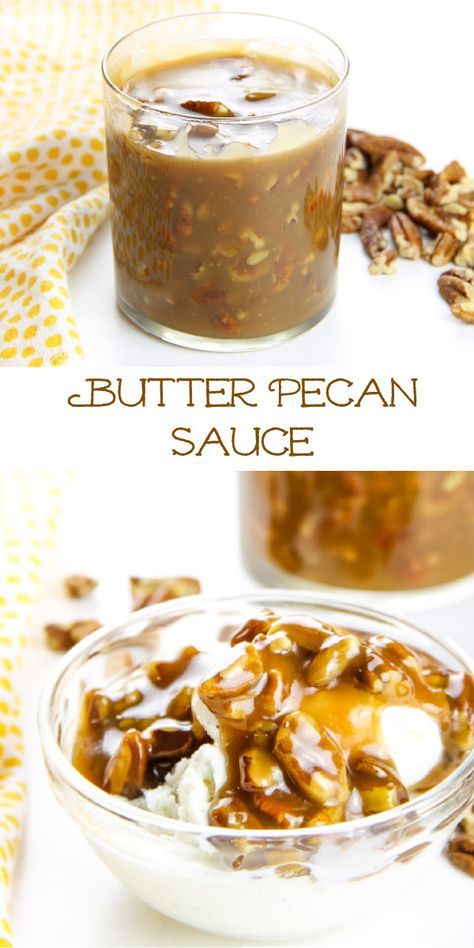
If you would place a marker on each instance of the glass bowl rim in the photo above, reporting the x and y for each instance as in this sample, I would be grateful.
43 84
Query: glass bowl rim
59 765
131 101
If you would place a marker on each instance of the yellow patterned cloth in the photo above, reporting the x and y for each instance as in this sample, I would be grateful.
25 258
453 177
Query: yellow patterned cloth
53 194
29 508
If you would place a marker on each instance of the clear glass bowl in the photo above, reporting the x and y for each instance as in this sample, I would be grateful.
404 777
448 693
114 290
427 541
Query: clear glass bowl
254 885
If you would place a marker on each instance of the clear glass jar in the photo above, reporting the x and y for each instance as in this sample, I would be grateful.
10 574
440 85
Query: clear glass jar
225 229
248 884
373 530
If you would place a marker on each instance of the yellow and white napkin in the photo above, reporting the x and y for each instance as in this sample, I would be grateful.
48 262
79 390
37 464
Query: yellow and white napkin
53 193
29 509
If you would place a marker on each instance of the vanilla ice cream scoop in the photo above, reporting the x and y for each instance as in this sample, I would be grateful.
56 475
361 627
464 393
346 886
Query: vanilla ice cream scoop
412 740
190 786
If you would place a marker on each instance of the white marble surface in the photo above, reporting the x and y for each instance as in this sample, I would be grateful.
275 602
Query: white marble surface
165 523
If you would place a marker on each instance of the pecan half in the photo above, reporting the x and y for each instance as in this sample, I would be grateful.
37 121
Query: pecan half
441 250
457 288
379 146
406 235
461 852
313 759
230 693
374 242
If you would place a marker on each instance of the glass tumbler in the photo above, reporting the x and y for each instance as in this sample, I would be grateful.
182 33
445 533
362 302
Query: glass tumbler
225 229
367 530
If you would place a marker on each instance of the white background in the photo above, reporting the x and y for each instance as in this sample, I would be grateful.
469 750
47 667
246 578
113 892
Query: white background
411 72
158 524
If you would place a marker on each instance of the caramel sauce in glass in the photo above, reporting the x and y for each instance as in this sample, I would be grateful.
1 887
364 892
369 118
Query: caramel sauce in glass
226 193
360 529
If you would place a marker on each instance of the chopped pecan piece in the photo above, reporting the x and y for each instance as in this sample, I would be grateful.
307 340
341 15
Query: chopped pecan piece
180 706
231 811
308 633
442 250
356 193
379 787
453 172
406 235
457 288
250 629
258 770
379 145
77 586
217 109
383 174
371 234
230 693
169 740
461 852
355 165
162 674
407 185
259 96
286 810
61 637
465 255
313 759
148 591
394 201
351 223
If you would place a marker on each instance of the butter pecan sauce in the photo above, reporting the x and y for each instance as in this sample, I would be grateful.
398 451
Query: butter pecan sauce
359 529
227 230
298 713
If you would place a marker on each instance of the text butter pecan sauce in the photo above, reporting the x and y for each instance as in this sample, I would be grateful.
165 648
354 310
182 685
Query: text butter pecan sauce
369 530
315 724
226 183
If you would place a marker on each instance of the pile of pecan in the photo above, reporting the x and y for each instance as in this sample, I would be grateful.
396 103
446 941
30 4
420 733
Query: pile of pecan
461 845
389 191
145 591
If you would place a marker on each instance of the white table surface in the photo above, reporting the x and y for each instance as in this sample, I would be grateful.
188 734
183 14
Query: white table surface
171 523
409 66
